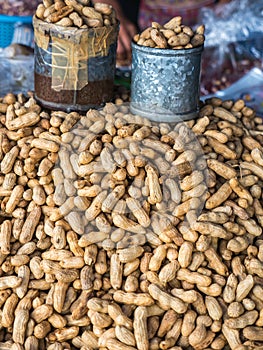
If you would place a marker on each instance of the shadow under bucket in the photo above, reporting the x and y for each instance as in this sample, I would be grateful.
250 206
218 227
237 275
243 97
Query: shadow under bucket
165 83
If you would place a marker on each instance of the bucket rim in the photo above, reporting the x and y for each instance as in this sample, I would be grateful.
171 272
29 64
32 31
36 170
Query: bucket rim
167 52
161 114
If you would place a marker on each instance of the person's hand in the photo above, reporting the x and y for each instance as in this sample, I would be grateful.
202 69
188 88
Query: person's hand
126 34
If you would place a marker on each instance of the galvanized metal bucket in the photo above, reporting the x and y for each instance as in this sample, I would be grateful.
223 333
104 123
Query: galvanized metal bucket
165 83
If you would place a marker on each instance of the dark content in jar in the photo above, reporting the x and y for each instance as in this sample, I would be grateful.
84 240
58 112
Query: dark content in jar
95 93
74 68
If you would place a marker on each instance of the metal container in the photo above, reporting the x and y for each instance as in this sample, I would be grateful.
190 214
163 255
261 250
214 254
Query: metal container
165 83
74 68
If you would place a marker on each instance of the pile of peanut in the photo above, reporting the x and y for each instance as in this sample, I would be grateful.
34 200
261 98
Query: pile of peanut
172 35
76 13
118 233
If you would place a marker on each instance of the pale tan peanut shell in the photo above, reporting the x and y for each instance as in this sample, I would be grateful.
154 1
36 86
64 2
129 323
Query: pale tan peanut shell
140 299
137 210
91 13
192 180
213 307
174 40
238 244
214 217
257 156
193 277
8 314
221 148
124 335
105 9
30 225
168 33
95 208
158 38
58 15
185 254
23 121
168 272
9 159
253 333
129 254
240 190
184 38
23 273
208 228
114 344
20 324
251 226
222 169
154 186
116 269
242 321
188 296
232 336
244 287
119 317
40 11
166 300
198 335
5 235
215 261
188 324
47 145
197 40
167 322
113 197
235 309
254 168
76 5
140 328
175 21
219 197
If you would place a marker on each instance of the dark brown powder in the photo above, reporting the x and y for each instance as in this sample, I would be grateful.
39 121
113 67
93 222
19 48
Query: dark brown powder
94 94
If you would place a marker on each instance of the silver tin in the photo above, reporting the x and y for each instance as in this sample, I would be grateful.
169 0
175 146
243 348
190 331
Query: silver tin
165 83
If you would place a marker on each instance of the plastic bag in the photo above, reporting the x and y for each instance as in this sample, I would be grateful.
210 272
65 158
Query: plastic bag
238 20
224 65
16 67
249 88
233 45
